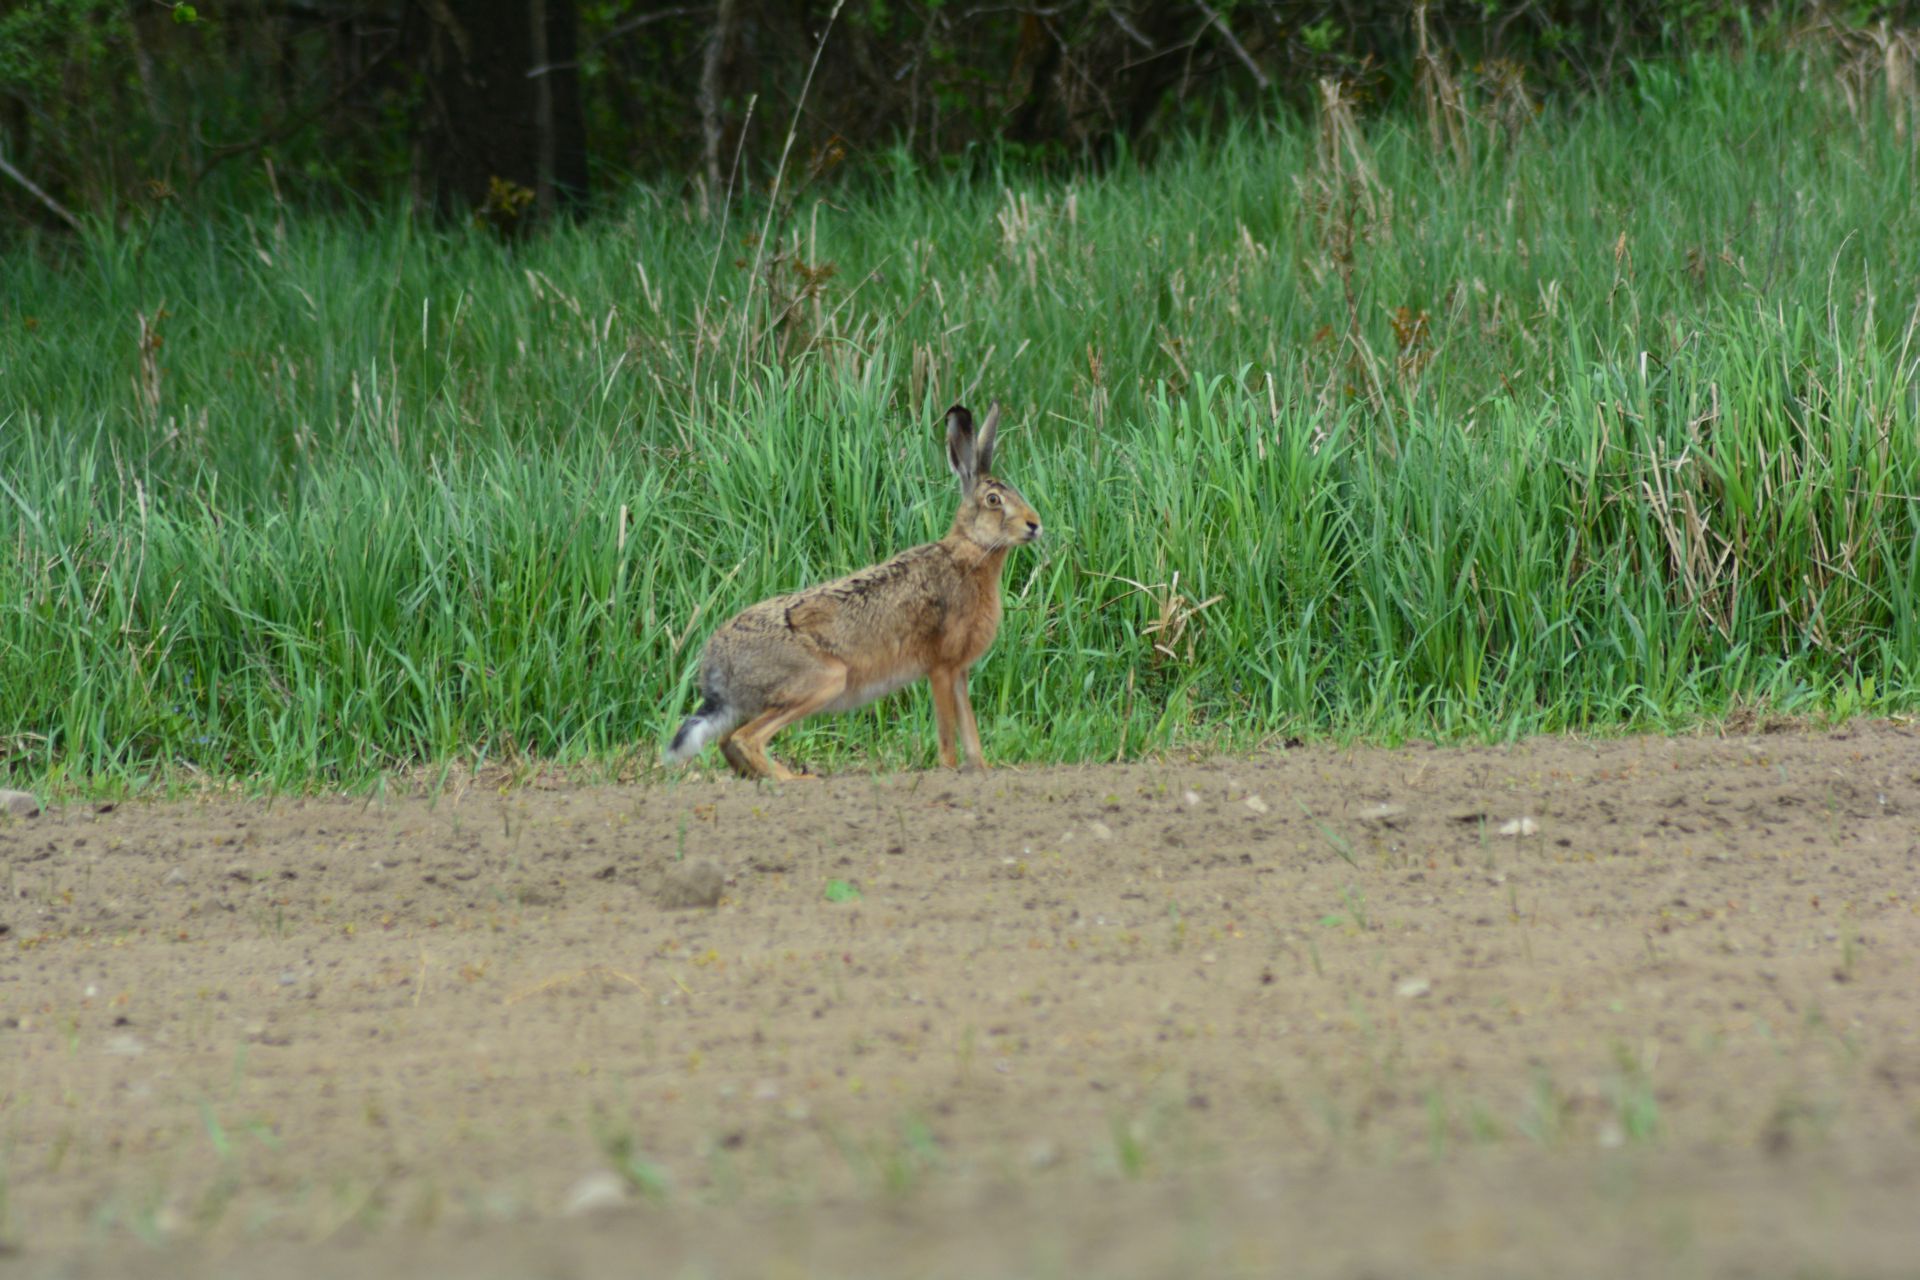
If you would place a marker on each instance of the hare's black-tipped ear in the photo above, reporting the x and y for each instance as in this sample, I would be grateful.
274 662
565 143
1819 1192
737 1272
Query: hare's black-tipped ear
983 443
960 450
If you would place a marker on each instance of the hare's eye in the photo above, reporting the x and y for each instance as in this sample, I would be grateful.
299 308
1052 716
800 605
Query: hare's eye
993 500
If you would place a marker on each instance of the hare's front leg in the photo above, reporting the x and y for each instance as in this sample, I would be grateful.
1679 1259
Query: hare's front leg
969 728
946 715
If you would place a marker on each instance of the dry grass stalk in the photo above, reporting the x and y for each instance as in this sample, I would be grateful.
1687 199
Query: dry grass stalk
1173 623
923 375
1510 107
1097 398
1022 231
745 354
1347 205
1698 564
1413 336
1344 162
1881 62
146 379
1445 109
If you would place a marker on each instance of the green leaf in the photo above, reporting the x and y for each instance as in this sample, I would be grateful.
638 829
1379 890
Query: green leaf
842 891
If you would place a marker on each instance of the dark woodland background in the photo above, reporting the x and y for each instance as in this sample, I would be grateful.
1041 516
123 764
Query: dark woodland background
521 108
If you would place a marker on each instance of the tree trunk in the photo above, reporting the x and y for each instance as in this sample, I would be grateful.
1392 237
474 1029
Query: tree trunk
502 131
712 65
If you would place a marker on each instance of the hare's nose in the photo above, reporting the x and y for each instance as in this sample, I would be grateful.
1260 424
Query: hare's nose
1033 530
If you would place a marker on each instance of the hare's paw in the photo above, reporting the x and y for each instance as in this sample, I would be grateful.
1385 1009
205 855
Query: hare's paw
783 774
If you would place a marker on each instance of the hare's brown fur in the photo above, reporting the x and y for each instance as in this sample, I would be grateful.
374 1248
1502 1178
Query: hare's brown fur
930 611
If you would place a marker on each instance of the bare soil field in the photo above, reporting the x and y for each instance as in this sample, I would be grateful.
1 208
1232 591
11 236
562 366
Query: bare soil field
1620 1008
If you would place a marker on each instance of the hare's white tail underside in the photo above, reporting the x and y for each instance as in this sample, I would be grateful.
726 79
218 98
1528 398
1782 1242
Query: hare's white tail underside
713 720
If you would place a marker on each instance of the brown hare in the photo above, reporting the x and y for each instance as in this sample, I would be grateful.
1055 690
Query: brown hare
931 611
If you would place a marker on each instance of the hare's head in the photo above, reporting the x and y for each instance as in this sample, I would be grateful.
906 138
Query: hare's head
992 512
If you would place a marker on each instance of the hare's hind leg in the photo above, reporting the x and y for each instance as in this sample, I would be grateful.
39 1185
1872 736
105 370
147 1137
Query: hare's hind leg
737 758
746 747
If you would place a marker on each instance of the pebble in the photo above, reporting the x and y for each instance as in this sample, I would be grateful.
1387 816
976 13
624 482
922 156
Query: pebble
593 1193
125 1046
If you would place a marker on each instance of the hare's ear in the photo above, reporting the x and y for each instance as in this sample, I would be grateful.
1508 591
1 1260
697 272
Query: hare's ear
960 447
983 443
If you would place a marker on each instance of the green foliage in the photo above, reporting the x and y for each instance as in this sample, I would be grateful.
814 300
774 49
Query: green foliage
1321 37
1615 426
38 37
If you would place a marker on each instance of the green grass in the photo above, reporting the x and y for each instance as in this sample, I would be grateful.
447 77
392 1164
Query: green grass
386 494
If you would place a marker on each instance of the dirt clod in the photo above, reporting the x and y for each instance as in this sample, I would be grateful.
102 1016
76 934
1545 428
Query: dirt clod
19 804
698 882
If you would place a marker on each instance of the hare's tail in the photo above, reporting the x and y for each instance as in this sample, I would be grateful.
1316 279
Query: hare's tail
714 719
